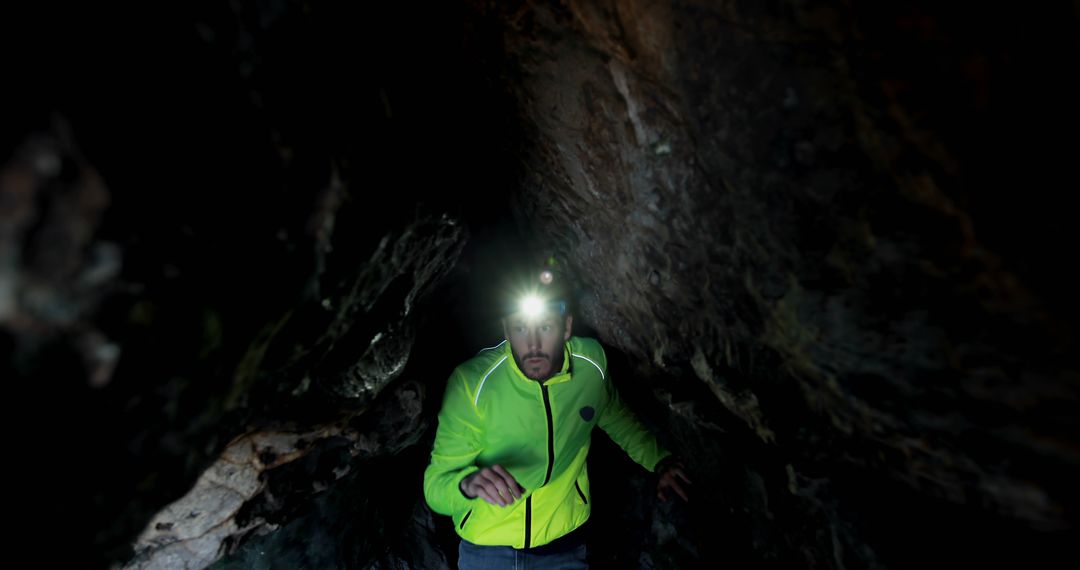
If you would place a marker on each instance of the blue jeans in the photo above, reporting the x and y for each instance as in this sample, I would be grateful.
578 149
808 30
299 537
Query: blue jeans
475 557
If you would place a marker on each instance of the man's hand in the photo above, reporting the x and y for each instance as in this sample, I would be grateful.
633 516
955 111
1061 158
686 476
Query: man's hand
494 485
670 473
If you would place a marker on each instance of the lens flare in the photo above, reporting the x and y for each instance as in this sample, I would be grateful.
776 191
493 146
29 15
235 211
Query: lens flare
532 306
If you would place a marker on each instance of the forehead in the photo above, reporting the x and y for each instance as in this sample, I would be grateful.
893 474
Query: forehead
548 318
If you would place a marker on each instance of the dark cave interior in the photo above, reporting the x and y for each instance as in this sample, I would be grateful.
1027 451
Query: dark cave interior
825 248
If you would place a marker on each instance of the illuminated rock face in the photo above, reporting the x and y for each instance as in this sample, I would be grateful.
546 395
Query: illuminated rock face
795 211
825 247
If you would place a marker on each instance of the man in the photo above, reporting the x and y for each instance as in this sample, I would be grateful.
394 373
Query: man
508 464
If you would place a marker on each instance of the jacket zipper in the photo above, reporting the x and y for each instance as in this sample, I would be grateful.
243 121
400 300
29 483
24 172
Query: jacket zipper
465 519
528 520
576 486
551 465
551 437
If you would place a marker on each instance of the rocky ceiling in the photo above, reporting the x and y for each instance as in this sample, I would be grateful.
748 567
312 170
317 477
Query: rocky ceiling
825 244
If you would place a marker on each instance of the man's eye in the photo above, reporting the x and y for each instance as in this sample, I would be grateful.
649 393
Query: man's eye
546 328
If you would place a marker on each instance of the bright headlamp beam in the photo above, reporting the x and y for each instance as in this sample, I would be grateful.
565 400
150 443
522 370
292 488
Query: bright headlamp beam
532 306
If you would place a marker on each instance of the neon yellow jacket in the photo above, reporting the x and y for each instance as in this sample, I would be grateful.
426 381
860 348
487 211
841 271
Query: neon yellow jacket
493 414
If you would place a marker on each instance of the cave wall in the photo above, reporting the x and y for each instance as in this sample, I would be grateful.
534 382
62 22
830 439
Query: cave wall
222 226
843 222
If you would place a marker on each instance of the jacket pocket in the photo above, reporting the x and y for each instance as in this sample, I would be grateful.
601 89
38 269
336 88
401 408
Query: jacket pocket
580 494
466 518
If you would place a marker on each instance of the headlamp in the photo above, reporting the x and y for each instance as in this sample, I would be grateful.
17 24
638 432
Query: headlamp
533 306
535 296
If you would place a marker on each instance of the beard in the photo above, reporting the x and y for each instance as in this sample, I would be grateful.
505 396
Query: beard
539 370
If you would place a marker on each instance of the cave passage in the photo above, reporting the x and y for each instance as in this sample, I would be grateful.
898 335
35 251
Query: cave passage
826 249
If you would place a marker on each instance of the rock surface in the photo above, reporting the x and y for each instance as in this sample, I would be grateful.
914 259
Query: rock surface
807 211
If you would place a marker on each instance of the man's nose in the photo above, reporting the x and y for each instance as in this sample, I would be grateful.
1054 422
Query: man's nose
534 338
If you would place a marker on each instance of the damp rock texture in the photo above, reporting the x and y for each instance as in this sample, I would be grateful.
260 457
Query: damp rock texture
215 261
826 246
840 223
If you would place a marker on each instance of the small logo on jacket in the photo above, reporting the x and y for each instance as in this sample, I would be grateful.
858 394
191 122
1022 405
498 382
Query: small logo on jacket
587 413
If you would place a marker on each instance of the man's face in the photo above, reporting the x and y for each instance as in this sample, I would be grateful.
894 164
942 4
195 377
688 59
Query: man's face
537 343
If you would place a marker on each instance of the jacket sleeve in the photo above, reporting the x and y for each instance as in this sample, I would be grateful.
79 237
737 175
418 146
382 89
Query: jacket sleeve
457 443
625 429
